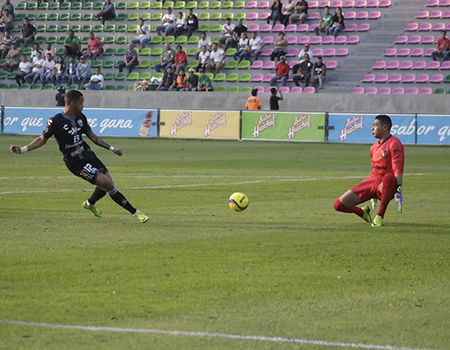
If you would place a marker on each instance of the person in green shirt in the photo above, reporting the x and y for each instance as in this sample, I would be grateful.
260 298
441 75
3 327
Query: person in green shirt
72 45
167 59
204 82
7 6
324 21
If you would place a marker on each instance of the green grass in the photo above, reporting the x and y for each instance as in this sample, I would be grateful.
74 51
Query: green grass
288 266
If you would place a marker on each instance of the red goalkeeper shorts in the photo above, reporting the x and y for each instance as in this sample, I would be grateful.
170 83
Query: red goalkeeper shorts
368 189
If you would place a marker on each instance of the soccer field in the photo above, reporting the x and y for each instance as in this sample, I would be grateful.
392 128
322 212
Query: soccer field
287 267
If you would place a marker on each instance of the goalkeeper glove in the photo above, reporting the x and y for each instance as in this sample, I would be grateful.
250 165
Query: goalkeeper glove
398 197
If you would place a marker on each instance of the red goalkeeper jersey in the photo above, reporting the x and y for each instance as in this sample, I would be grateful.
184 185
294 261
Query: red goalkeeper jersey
387 157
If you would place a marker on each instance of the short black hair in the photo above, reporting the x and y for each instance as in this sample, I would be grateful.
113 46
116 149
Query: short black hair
73 95
273 91
384 120
254 92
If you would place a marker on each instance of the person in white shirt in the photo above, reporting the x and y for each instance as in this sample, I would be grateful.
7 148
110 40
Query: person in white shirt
256 45
24 69
227 31
48 66
143 34
286 11
33 53
178 28
96 81
37 67
244 46
59 70
203 59
204 41
216 59
305 51
167 21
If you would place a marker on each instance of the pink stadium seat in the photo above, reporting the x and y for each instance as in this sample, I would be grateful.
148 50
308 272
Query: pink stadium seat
268 77
362 15
423 15
425 27
257 65
266 52
284 89
270 88
315 40
375 15
268 65
401 39
419 65
318 52
393 65
446 14
350 15
309 90
395 78
445 65
390 52
256 78
252 16
363 27
290 28
302 28
427 39
253 27
414 39
398 91
278 28
372 3
322 4
342 52
379 65
327 40
313 4
412 27
417 52
263 5
348 4
385 3
296 90
406 65
292 64
433 65
422 78
403 52
331 53
437 78
412 91
426 91
368 78
409 78
303 40
340 40
291 39
331 65
358 90
352 27
437 27
432 3
444 3
292 52
353 39
435 15
265 28
268 40
360 3
371 91
313 16
251 5
260 88
428 52
312 27
447 27
263 15
336 3
385 91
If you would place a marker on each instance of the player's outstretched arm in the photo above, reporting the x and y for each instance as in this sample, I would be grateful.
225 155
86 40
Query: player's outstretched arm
99 142
36 143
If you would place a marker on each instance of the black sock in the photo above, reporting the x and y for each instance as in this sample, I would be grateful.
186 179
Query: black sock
96 196
119 198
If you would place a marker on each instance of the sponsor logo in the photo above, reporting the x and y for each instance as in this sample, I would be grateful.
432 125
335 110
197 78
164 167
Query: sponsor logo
183 119
264 122
215 121
384 154
80 122
300 123
351 126
377 167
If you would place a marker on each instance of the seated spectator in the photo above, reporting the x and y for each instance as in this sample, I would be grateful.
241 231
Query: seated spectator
82 73
7 6
233 42
107 12
280 47
306 51
71 71
281 72
94 47
33 54
96 81
178 28
203 59
244 47
324 21
227 32
287 11
443 47
216 59
302 71
167 58
49 50
204 82
49 66
273 101
191 23
167 22
6 22
12 58
28 32
204 41
180 60
180 83
256 45
59 71
167 81
240 28
319 73
192 81
337 23
253 103
143 34
130 59
37 67
300 12
24 69
275 15
72 45
5 44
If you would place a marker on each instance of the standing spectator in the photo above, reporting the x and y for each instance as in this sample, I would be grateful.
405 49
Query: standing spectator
192 81
305 68
24 69
287 11
280 47
253 102
94 47
28 32
178 28
204 82
167 81
324 21
82 73
180 60
6 22
319 72
49 50
337 23
130 59
96 81
13 58
180 83
167 22
240 28
443 47
58 71
256 44
143 34
244 46
72 45
7 6
216 59
306 51
300 12
5 45
36 69
191 23
276 12
49 66
203 59
227 31
281 72
167 58
71 71
273 101
107 12
204 41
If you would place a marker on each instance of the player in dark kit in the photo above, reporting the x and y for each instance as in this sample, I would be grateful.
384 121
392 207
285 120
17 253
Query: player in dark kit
385 179
68 127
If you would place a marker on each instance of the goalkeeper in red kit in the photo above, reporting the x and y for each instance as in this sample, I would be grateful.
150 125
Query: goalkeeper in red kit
385 180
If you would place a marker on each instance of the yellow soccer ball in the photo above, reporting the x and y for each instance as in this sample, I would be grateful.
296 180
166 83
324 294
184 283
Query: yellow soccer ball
238 201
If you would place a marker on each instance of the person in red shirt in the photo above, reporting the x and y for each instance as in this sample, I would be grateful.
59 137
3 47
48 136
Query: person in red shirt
180 60
95 47
443 47
281 72
385 180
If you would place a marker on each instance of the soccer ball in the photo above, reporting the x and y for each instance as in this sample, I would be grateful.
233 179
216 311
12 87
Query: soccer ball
238 201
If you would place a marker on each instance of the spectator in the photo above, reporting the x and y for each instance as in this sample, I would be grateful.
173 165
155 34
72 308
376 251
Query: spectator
72 45
233 42
280 47
59 71
143 34
204 82
107 12
24 69
130 59
256 44
167 58
177 29
167 81
287 11
227 31
180 83
96 81
203 59
443 47
71 71
49 50
5 45
324 21
28 32
216 58
306 51
191 23
305 68
276 12
49 66
13 58
192 81
167 22
273 101
300 12
7 6
253 102
319 72
281 72
82 73
240 28
180 60
244 46
337 23
33 54
6 22
36 69
204 41
94 47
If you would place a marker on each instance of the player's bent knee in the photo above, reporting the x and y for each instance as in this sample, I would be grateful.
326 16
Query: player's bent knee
338 206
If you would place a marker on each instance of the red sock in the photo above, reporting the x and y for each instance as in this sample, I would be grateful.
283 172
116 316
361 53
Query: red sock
341 207
389 183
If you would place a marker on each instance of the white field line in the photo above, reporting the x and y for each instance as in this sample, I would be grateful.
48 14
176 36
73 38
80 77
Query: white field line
211 335
322 178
